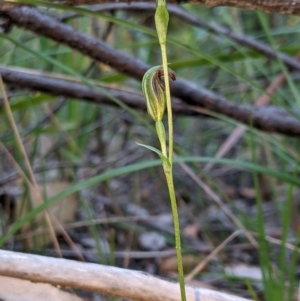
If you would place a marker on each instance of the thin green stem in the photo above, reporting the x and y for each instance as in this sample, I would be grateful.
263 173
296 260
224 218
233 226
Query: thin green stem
169 174
168 101
169 177
161 23
160 130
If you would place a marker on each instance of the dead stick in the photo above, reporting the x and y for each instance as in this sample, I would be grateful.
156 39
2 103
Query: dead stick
100 279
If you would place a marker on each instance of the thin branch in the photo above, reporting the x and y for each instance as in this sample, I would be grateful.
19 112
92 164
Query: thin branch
72 89
267 116
20 79
100 279
31 19
269 119
214 27
274 6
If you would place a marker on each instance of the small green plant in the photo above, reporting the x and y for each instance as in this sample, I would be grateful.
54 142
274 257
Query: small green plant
156 89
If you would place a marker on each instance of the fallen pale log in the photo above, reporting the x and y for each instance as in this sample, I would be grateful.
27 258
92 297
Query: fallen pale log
100 279
13 289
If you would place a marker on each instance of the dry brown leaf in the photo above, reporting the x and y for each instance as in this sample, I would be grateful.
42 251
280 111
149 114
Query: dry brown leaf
168 265
191 231
247 192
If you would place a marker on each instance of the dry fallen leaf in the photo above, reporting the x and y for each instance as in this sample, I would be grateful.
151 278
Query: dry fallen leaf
191 231
168 265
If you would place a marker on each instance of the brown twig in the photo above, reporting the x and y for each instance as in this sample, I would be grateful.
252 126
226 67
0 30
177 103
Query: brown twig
69 88
273 116
183 15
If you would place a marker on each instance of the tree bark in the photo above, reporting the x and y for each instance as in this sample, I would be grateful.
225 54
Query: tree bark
100 279
270 6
